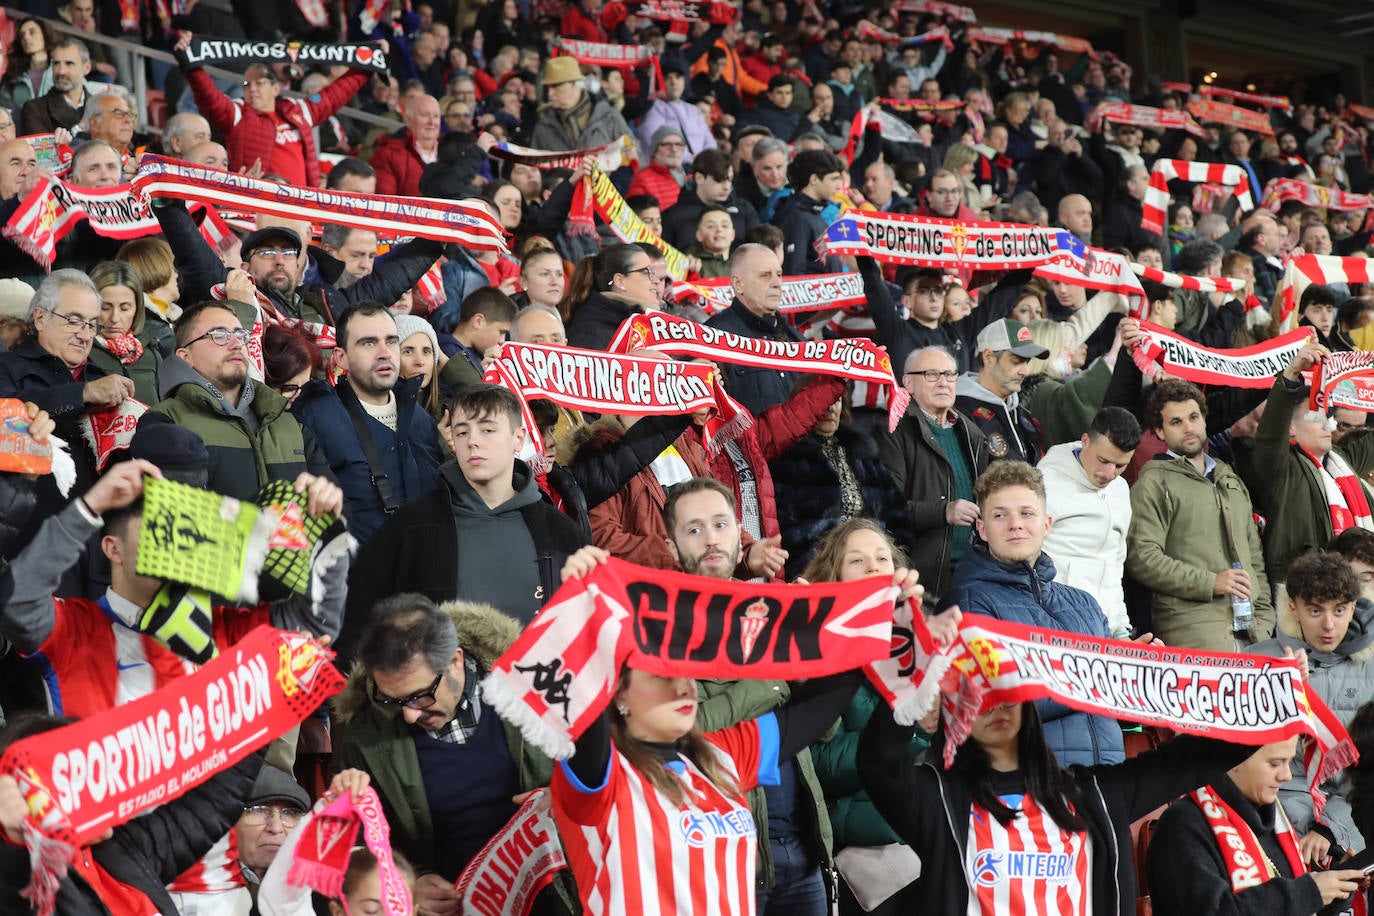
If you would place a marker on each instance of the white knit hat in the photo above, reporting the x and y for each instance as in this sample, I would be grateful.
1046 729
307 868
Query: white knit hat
408 326
15 296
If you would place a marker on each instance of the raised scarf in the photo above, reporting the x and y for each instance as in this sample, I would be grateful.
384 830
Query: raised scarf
559 675
806 293
850 357
101 772
1213 112
1098 269
325 843
1240 367
1144 116
1313 195
928 241
938 7
469 225
1246 863
237 54
610 156
624 222
683 10
1281 102
1007 36
596 382
54 207
1156 201
1184 281
1303 271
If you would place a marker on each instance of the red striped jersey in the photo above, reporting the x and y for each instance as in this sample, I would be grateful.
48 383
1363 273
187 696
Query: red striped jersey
632 850
1030 867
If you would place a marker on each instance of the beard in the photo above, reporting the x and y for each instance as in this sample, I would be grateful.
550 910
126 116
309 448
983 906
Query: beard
692 565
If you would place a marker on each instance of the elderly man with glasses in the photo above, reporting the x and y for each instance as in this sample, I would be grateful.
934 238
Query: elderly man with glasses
447 768
934 455
205 387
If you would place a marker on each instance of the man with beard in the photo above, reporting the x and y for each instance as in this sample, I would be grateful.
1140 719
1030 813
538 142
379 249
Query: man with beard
1192 539
205 388
64 105
790 817
381 445
990 395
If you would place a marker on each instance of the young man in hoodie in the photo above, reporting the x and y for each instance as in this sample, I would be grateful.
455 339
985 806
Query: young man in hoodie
816 177
1091 507
1328 617
990 396
483 534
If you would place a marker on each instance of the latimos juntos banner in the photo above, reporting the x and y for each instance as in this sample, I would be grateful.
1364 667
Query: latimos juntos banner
222 52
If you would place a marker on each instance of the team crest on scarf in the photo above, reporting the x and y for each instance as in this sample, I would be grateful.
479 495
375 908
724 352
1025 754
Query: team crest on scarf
751 624
960 235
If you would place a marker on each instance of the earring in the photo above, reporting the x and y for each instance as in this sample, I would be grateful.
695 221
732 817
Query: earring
622 709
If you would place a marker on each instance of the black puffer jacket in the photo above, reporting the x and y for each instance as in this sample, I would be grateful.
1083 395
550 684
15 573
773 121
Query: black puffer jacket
148 852
595 321
810 502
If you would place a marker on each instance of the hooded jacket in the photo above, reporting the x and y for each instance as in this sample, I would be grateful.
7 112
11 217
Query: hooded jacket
410 455
382 744
1187 873
921 471
1184 530
1286 485
800 218
589 123
1088 539
251 444
416 549
1011 432
929 808
1344 679
1027 594
681 219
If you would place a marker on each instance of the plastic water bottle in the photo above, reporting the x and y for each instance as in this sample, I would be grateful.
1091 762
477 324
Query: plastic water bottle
1242 613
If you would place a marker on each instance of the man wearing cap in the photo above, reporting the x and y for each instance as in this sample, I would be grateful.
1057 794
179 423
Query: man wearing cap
382 446
990 395
674 111
271 811
663 177
574 120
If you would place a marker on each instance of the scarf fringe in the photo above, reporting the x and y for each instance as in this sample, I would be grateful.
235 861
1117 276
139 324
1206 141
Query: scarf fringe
913 709
510 705
730 429
49 859
317 876
255 554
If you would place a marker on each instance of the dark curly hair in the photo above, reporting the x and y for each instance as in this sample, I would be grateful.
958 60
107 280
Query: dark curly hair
1320 576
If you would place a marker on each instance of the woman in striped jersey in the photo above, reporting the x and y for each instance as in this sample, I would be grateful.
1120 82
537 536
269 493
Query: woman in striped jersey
650 809
1007 831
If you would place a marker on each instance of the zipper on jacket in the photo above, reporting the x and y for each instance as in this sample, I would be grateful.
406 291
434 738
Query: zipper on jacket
1111 835
960 839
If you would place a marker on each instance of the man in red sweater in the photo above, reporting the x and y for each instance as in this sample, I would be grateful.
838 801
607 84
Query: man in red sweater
664 175
400 158
266 129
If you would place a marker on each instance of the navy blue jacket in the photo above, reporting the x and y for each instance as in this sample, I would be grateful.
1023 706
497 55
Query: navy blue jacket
1021 594
755 388
411 455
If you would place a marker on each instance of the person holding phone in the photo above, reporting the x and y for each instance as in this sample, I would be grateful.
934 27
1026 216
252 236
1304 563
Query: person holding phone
1228 848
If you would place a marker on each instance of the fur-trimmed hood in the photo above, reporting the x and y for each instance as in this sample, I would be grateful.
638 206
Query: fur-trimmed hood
483 631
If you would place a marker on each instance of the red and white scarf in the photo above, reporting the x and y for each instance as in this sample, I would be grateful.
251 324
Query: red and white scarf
1345 498
1303 271
683 10
1184 281
928 241
1313 195
469 225
1156 203
1281 102
109 430
1213 112
125 347
601 54
54 207
205 722
805 293
852 357
515 865
562 671
1241 367
938 7
609 156
1098 269
1007 36
325 844
909 677
1144 116
868 30
1247 865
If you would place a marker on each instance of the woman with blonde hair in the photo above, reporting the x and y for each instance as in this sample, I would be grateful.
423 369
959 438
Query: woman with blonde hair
1058 392
962 160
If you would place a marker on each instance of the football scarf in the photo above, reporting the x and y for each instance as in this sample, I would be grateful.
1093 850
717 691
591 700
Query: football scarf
1313 195
182 619
1144 116
54 207
515 865
238 54
126 348
562 671
302 548
599 54
1212 112
1156 202
203 539
623 221
1242 367
111 429
805 293
850 357
868 31
325 844
1098 269
101 772
469 225
683 10
1248 699
1303 271
1183 281
1281 102
1007 36
1345 499
1247 865
909 677
928 241
938 7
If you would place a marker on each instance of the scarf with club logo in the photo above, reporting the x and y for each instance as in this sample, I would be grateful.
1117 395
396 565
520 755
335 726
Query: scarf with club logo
54 208
1144 116
1313 195
1213 112
1303 271
1156 202
1247 865
562 671
1281 102
1241 367
224 52
324 843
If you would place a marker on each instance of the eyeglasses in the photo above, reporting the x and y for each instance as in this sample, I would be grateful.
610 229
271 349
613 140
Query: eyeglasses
422 700
260 815
266 253
76 322
289 389
646 271
934 375
220 337
259 81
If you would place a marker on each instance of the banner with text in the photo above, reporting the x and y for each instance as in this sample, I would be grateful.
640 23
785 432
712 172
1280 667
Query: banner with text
1243 367
238 54
515 865
927 241
804 293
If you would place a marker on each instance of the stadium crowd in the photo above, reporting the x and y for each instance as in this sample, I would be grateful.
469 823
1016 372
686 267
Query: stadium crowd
1052 469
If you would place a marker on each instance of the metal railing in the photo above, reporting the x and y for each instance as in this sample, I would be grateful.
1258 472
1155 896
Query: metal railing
141 54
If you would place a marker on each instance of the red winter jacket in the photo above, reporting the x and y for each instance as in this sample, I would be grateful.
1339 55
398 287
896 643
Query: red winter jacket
398 165
657 180
577 24
774 431
251 135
